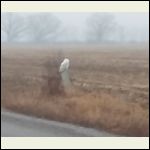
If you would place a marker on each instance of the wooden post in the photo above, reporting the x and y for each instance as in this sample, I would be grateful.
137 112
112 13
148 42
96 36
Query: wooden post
65 79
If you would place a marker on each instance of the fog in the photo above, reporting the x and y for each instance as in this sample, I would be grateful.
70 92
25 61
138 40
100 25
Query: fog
74 27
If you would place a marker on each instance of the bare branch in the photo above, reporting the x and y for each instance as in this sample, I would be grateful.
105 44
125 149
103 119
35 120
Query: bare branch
100 26
13 25
41 26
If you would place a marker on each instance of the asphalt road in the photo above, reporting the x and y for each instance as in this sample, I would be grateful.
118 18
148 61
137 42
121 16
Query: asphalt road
17 125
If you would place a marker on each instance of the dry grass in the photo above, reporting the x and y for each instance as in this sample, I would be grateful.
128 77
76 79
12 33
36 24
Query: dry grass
110 87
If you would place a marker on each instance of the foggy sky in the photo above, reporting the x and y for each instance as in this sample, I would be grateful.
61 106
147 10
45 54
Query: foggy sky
131 22
135 26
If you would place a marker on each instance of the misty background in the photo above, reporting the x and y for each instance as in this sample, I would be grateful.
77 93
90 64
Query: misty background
74 27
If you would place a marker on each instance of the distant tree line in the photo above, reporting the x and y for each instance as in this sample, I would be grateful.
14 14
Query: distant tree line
45 27
36 28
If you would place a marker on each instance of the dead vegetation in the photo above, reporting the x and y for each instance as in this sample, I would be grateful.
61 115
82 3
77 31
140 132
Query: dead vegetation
110 88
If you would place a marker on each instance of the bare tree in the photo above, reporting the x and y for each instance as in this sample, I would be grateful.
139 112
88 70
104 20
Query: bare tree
100 26
13 25
43 27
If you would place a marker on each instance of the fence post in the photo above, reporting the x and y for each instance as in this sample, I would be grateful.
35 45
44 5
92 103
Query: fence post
66 79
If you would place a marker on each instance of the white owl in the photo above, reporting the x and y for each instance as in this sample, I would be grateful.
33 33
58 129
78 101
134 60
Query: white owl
64 65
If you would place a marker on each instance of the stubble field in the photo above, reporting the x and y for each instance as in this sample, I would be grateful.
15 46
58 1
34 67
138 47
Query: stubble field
110 85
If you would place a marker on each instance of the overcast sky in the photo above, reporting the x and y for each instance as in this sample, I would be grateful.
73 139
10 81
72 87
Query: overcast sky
132 23
138 20
136 25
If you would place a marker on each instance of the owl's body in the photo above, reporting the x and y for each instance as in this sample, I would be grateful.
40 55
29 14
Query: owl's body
64 65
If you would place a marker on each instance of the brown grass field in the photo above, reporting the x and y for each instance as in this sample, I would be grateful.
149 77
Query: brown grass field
110 85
